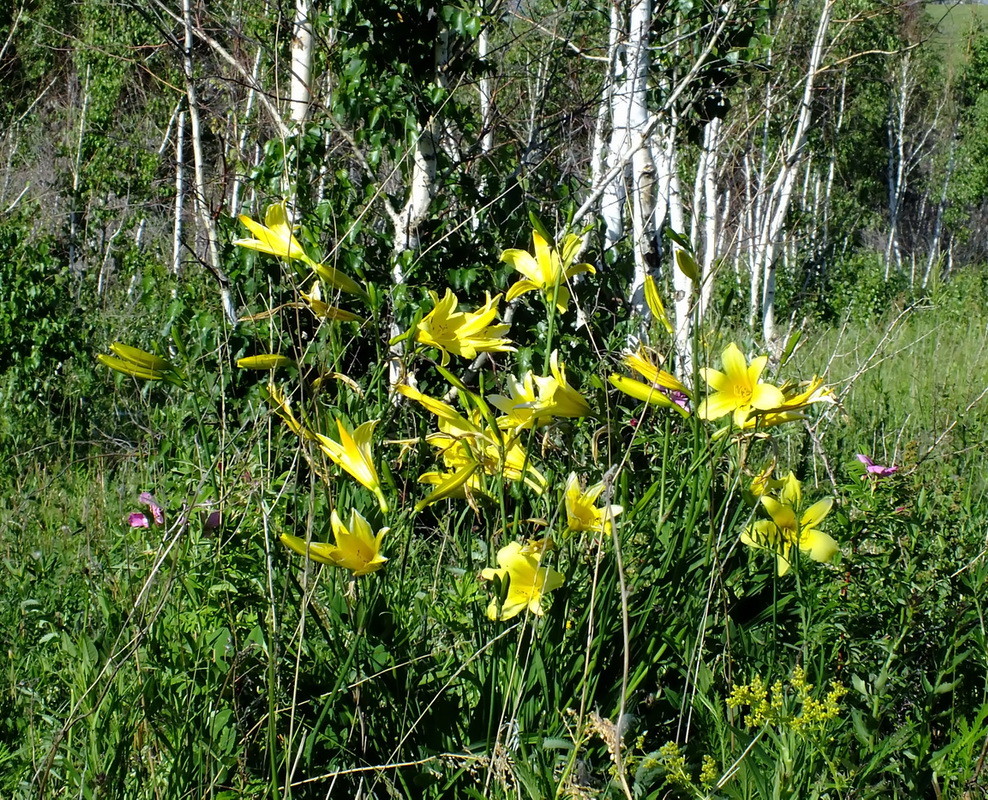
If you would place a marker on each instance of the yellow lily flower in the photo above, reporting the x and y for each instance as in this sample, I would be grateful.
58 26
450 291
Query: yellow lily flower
546 270
654 302
275 236
140 364
662 388
582 513
357 548
528 583
324 310
796 402
284 410
460 332
785 530
353 454
738 389
556 398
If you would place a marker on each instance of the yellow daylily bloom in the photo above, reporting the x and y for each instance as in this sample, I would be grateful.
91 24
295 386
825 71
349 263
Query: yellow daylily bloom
139 364
528 583
785 529
462 333
357 547
524 407
660 389
582 513
353 454
546 271
798 397
275 236
265 361
324 310
738 389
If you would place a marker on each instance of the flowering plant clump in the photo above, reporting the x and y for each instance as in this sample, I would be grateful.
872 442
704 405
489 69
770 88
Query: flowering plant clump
503 447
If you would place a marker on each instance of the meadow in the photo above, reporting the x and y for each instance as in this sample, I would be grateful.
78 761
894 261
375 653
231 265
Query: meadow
555 572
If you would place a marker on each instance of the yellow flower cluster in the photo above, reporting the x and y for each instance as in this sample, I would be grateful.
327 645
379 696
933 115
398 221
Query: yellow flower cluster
673 762
775 706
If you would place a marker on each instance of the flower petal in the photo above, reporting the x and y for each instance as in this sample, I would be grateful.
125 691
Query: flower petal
816 512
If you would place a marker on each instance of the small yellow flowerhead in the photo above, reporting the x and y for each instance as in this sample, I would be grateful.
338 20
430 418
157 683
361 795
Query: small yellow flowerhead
357 547
275 236
738 389
527 582
546 271
582 513
353 454
462 333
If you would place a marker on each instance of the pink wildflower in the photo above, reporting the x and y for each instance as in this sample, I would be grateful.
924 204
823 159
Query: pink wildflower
877 470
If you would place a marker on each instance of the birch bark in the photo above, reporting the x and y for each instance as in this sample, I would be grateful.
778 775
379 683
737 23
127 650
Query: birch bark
301 62
781 195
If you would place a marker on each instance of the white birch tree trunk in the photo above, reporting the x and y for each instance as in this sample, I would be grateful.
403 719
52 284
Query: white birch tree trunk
642 167
301 94
202 211
179 195
613 198
708 181
778 205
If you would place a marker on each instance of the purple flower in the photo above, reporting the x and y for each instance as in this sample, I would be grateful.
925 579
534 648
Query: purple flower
876 469
212 521
148 499
138 520
679 398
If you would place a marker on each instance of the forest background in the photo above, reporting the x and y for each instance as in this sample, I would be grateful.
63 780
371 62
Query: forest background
808 179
